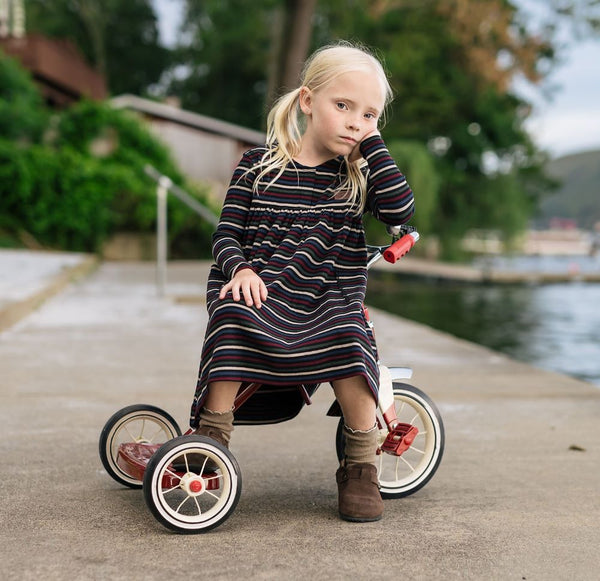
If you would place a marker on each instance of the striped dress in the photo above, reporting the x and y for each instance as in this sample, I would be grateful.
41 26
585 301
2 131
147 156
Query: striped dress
309 249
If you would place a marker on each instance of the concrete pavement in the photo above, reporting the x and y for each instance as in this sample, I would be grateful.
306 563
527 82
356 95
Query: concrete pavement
517 495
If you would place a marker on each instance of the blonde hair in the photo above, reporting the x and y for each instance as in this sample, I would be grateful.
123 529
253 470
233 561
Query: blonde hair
284 123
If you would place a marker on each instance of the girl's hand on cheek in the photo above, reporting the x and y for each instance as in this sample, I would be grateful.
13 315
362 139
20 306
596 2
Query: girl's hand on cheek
247 283
355 155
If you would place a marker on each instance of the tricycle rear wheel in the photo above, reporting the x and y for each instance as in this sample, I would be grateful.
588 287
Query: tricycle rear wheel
140 424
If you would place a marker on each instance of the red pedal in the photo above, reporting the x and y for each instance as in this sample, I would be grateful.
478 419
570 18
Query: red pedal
399 439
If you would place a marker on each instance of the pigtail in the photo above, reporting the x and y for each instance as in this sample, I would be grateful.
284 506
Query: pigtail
283 125
284 135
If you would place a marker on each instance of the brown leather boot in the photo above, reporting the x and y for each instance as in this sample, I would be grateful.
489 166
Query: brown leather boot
358 493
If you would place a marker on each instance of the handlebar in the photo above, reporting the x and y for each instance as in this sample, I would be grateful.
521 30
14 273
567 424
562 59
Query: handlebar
396 250
399 248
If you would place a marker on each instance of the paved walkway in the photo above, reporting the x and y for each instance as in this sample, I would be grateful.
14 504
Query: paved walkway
516 497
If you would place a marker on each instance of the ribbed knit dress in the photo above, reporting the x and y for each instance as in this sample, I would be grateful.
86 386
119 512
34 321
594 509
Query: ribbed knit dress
308 246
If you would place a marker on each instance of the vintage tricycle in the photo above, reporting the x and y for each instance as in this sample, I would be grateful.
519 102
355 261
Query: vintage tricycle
192 483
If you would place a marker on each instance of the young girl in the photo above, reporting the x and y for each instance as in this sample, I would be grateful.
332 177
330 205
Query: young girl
285 295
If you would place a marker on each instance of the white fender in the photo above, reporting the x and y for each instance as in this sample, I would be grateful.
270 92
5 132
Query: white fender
400 372
387 376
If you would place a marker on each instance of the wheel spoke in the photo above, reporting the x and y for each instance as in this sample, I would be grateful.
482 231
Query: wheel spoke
172 473
143 428
204 464
133 438
407 463
182 503
158 431
418 450
211 494
198 506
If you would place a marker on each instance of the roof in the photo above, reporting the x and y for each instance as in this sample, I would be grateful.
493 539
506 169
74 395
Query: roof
57 65
188 118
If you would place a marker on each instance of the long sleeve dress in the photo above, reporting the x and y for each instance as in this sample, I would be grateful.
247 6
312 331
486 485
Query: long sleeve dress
309 248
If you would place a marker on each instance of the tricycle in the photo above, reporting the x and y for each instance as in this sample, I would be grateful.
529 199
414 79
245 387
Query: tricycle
192 484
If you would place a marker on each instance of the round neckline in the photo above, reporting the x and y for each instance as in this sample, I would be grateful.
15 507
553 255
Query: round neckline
331 161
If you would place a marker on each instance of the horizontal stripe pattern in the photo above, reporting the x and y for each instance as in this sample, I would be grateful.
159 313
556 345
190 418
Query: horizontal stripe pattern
309 248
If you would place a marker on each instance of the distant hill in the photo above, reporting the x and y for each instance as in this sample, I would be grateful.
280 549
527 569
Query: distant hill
579 196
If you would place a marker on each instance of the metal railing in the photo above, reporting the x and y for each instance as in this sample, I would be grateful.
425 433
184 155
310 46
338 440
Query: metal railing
164 187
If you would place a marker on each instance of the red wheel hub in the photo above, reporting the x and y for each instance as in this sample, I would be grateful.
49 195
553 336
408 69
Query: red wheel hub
196 486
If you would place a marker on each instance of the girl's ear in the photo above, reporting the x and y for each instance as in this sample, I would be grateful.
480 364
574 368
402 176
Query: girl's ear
305 100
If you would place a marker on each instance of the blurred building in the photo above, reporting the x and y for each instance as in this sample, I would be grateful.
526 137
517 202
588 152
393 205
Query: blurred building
57 67
206 149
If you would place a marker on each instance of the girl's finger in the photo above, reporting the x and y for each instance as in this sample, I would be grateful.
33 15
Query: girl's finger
263 291
256 295
235 291
247 292
224 290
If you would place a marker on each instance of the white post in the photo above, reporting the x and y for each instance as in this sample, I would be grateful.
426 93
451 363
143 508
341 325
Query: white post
162 191
18 24
4 19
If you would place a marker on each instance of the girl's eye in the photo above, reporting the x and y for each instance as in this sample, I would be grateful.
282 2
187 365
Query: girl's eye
370 116
341 106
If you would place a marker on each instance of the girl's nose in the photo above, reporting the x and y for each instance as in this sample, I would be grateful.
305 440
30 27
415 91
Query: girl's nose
353 124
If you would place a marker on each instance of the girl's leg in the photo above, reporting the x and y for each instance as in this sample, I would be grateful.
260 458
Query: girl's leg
357 402
216 416
358 486
358 406
221 395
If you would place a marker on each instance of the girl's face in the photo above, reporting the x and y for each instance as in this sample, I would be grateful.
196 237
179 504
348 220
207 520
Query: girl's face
341 114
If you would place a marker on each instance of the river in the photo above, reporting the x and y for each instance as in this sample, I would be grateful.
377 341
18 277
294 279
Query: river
552 326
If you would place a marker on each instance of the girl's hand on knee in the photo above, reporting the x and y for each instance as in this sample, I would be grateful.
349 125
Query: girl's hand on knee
247 283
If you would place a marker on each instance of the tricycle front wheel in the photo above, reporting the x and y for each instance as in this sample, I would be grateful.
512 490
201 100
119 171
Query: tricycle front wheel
192 484
403 475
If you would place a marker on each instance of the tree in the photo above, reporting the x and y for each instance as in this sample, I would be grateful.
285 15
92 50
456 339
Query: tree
290 47
222 60
118 37
453 94
452 64
234 62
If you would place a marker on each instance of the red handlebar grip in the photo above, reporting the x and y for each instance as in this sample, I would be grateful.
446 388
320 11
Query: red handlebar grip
399 248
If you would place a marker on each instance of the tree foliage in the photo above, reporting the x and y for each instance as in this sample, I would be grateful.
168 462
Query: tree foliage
451 63
72 180
22 117
119 37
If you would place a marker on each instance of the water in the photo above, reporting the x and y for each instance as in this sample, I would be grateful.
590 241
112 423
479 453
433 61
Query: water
554 326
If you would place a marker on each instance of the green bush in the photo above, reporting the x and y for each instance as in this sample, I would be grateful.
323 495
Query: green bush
22 114
72 182
57 196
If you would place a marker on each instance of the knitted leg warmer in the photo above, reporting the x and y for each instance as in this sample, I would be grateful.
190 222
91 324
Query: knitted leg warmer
361 446
216 425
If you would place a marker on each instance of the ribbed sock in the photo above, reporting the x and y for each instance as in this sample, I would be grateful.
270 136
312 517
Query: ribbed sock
221 421
361 446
